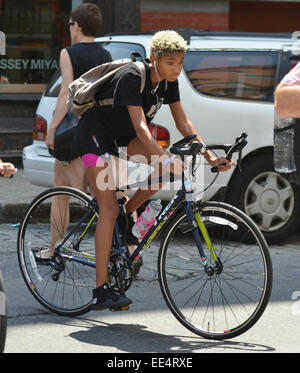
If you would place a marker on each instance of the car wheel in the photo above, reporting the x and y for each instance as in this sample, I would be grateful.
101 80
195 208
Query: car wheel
267 197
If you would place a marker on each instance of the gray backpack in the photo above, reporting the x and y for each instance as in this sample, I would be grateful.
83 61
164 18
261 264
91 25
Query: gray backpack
82 91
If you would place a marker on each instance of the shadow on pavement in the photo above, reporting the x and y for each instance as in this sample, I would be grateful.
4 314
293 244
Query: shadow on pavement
135 338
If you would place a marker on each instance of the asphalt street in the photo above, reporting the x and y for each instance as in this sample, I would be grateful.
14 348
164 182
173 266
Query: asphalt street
148 326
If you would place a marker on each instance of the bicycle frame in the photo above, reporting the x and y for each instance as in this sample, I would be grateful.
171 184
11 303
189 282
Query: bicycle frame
159 226
179 200
194 219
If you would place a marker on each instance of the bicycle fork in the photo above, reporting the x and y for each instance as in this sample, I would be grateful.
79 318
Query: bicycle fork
196 222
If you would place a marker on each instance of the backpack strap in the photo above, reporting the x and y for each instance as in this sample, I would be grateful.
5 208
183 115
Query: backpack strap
141 66
105 102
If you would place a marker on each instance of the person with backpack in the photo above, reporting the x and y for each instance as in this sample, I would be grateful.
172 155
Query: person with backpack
104 129
83 55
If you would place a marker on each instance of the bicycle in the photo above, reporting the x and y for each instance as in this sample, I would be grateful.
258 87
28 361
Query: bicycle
216 278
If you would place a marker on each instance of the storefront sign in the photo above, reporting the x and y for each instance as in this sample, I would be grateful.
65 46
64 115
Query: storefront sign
2 44
24 64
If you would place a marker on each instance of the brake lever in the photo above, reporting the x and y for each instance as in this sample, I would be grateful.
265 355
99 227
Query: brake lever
240 143
228 157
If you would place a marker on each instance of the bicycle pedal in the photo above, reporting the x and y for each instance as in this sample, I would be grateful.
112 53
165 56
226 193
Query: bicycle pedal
125 308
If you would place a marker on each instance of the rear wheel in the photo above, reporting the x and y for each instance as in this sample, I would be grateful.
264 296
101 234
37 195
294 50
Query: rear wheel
60 284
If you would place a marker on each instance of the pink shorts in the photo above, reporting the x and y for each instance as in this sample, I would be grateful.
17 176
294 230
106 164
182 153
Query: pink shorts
91 159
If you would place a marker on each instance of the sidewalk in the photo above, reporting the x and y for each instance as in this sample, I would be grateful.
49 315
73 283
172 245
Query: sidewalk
15 195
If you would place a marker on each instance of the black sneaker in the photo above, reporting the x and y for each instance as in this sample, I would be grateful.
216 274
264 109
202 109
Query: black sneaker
104 297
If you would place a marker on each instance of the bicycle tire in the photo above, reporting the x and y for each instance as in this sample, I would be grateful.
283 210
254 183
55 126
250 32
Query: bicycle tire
3 315
223 305
68 293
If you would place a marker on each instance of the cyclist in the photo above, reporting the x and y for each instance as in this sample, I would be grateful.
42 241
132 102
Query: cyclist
102 130
6 169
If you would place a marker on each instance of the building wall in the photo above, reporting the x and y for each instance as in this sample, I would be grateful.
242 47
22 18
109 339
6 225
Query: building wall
222 15
264 16
207 14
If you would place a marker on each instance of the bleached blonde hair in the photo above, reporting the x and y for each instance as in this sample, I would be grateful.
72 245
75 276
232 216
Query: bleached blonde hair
168 41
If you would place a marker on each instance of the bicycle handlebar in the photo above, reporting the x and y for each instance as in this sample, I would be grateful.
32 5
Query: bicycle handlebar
181 147
237 147
184 147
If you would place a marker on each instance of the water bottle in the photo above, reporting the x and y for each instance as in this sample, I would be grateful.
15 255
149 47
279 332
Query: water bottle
146 219
284 138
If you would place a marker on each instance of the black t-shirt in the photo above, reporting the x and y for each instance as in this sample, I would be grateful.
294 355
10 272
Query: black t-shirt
85 56
114 122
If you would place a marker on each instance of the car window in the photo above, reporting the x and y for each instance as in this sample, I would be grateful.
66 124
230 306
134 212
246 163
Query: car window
54 85
116 49
123 50
232 74
294 60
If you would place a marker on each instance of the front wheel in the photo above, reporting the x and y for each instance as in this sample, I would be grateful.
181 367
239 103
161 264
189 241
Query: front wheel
231 298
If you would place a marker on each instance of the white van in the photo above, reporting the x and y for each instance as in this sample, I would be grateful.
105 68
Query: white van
226 87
